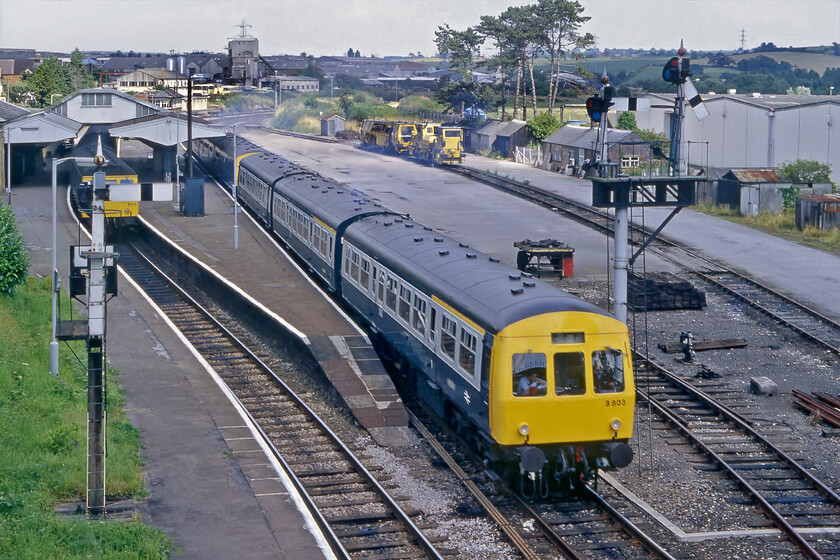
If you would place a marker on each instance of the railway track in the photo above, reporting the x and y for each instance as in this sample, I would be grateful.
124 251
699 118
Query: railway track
793 314
353 509
796 502
805 321
578 526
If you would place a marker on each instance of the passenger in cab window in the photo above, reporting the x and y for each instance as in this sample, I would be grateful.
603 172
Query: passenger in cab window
531 385
608 372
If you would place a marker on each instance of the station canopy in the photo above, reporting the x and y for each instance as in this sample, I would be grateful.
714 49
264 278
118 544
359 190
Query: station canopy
164 129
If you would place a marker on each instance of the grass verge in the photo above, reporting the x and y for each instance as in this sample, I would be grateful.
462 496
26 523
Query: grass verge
42 435
782 225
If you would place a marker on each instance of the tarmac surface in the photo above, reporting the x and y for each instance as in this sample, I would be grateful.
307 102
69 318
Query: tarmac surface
491 221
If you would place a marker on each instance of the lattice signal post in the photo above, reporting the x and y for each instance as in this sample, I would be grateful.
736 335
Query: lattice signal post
623 193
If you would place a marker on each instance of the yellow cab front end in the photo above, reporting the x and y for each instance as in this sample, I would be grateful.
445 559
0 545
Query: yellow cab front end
450 145
563 383
404 136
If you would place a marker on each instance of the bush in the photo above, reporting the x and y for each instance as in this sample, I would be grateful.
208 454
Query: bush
14 262
542 126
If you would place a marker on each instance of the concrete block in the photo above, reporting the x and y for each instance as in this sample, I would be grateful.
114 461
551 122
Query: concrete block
763 386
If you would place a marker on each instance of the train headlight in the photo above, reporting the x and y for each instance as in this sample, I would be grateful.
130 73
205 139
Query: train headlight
615 425
524 430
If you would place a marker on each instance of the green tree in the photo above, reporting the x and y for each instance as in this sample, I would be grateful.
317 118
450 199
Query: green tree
345 101
627 121
559 23
19 92
461 47
49 79
455 96
542 126
805 171
77 76
14 262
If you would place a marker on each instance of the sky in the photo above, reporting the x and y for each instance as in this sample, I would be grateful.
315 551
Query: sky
396 27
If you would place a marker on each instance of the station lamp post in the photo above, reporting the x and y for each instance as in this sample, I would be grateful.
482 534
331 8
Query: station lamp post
54 272
235 197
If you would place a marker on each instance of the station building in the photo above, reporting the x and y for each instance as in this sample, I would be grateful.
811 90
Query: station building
32 139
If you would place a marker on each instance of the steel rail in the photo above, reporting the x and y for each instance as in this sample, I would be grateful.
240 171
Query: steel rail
736 418
771 512
358 466
497 516
766 310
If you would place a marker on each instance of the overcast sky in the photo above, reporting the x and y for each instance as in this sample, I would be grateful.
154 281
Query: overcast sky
395 27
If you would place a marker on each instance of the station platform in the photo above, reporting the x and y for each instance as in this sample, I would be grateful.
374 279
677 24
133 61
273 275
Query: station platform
211 488
263 271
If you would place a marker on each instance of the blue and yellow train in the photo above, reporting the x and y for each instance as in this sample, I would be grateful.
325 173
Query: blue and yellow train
116 171
538 380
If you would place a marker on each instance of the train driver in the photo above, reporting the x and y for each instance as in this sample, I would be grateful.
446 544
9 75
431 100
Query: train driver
531 385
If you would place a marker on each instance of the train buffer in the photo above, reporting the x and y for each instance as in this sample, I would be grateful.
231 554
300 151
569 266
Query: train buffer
546 255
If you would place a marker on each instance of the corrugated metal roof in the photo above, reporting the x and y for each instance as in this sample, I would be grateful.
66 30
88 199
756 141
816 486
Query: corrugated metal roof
821 197
756 175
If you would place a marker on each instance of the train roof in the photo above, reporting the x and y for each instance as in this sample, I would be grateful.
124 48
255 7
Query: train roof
486 290
332 203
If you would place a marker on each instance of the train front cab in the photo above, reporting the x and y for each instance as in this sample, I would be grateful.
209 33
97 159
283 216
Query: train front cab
580 412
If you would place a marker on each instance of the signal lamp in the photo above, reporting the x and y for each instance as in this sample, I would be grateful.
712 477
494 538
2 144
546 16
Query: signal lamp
594 108
671 71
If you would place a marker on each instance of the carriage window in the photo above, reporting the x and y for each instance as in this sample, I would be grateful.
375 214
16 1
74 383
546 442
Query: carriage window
391 295
380 290
608 371
569 373
529 374
418 318
447 336
466 356
405 303
432 320
354 266
364 278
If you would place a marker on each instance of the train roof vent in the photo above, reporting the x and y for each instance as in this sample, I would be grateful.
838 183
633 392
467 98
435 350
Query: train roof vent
443 252
357 208
427 228
494 259
314 186
398 220
438 239
386 224
514 276
418 239
330 186
527 275
463 245
340 192
529 283
516 291
409 225
377 204
472 256
324 191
